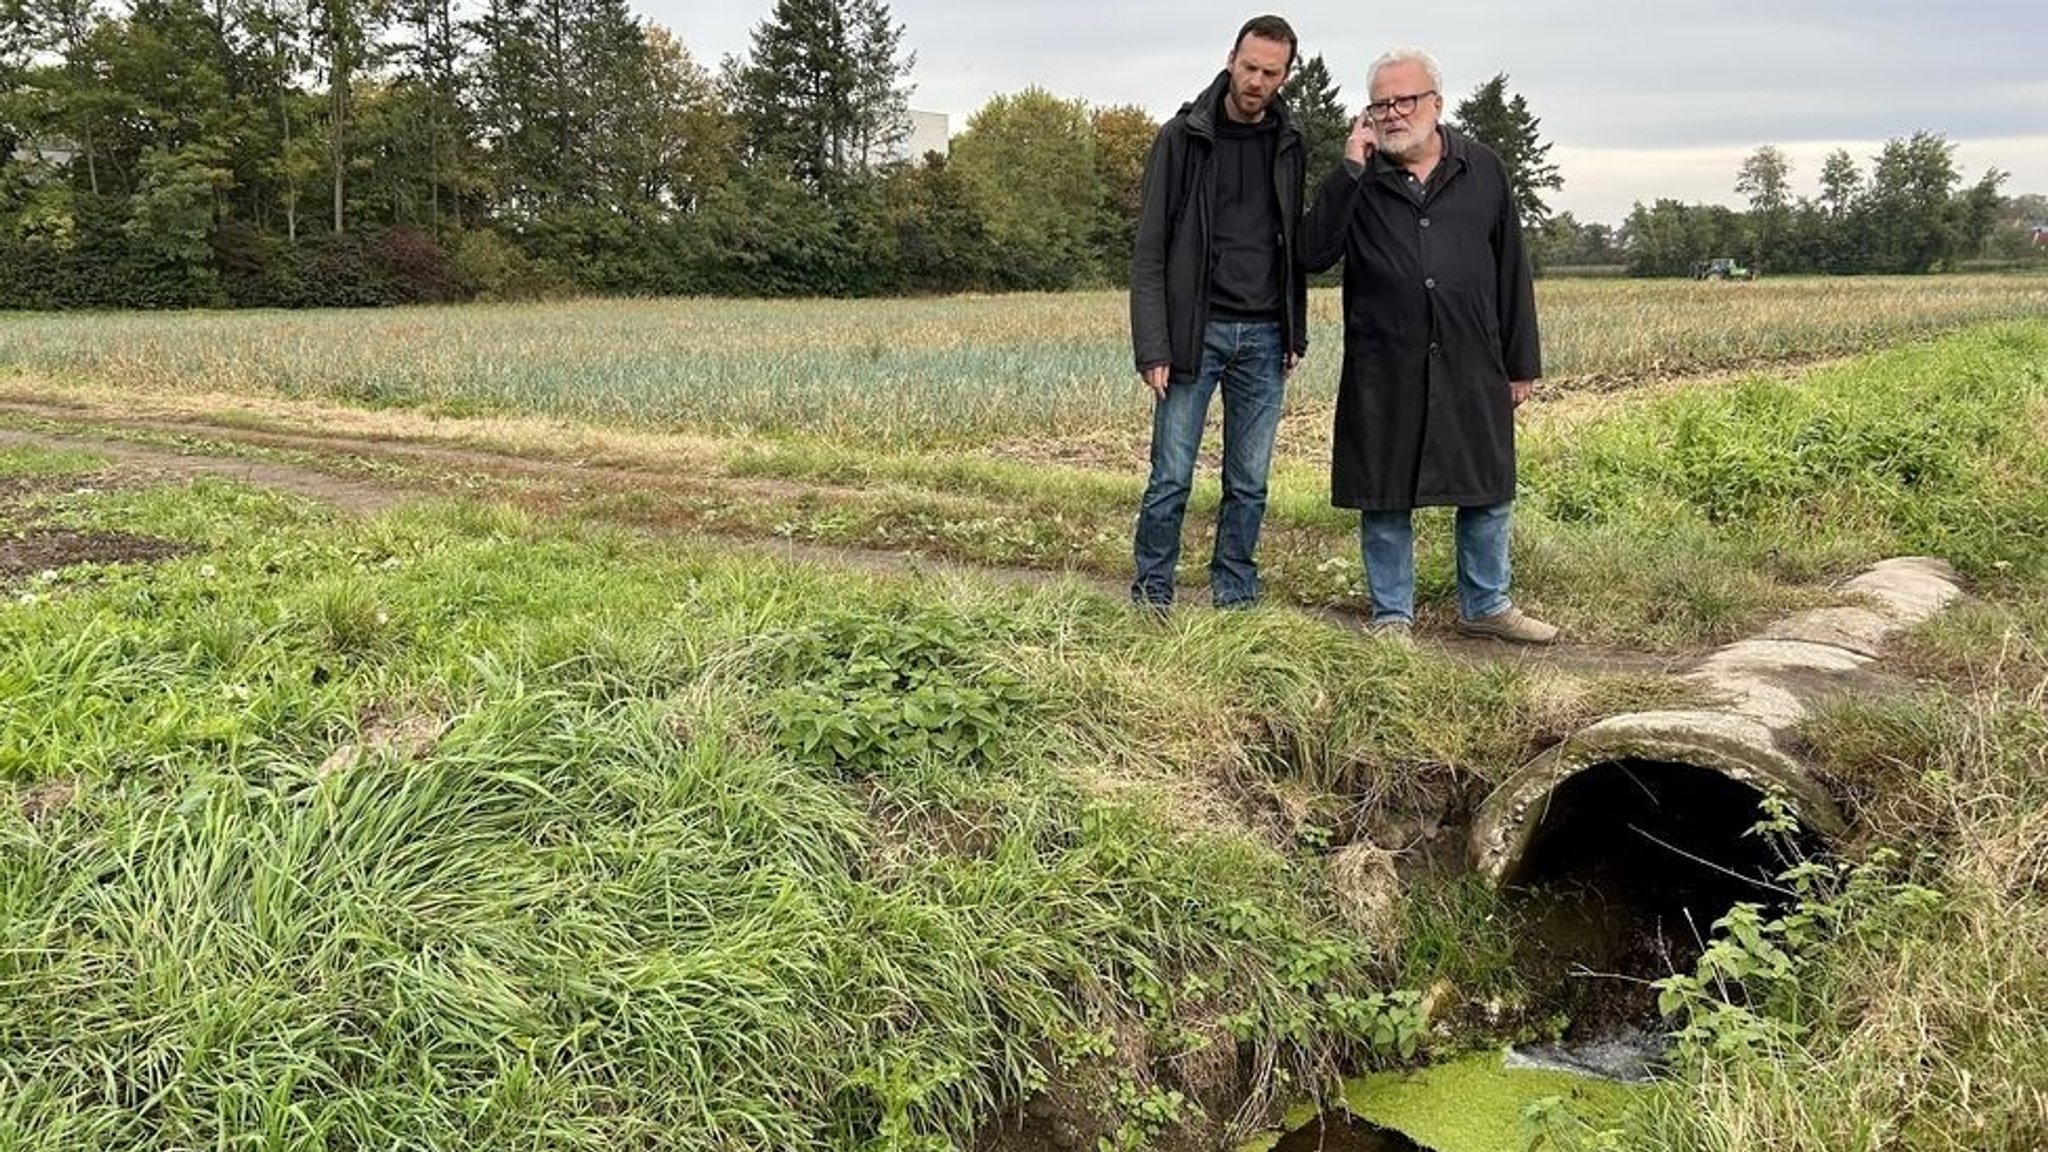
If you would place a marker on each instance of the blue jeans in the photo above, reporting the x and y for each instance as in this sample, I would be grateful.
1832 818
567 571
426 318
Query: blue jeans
1387 540
1249 360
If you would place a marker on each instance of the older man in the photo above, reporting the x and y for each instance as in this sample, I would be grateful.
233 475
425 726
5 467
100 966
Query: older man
1218 302
1440 344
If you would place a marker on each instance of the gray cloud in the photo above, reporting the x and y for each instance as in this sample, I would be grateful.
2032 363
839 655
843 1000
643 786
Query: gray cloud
1608 78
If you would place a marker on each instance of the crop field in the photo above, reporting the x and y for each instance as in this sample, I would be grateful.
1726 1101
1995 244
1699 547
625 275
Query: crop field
717 725
969 371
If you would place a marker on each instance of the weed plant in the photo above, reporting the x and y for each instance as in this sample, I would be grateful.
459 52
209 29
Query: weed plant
1687 515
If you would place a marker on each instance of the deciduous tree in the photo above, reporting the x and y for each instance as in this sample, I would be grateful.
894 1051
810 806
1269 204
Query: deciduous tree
429 87
1905 207
1123 141
344 42
78 103
686 140
1841 182
1029 162
1765 178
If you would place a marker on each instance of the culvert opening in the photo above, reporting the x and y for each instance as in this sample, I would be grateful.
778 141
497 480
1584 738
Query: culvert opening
1630 864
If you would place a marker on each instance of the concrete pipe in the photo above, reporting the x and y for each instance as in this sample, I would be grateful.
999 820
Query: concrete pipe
1689 781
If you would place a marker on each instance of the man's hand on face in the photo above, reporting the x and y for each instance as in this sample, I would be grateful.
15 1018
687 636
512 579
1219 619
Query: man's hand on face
1154 376
1359 145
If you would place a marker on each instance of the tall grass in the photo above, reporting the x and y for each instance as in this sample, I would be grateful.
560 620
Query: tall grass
1684 513
464 828
461 829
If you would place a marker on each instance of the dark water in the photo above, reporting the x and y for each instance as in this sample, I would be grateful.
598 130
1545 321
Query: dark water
1630 866
1339 1134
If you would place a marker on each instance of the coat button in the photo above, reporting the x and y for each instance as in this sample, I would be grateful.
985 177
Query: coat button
1425 221
1433 347
1430 283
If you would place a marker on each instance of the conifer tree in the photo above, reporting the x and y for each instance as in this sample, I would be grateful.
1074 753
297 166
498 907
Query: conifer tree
1507 126
1313 101
823 92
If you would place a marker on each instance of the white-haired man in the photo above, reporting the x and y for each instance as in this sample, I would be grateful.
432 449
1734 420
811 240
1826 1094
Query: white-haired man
1440 344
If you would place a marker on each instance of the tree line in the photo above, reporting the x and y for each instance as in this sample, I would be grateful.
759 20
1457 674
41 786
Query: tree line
1909 213
295 152
175 153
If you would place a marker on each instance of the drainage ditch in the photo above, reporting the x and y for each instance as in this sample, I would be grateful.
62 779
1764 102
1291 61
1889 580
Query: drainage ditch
1624 844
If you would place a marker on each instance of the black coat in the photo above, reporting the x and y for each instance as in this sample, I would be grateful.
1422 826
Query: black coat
1170 261
1439 314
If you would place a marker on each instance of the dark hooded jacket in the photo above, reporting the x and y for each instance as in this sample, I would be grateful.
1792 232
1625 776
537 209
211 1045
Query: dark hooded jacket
1439 315
1172 259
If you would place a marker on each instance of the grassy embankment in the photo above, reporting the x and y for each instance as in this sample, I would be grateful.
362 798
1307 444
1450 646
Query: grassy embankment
461 829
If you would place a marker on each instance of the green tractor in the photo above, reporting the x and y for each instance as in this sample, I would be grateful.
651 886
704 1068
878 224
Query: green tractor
1722 268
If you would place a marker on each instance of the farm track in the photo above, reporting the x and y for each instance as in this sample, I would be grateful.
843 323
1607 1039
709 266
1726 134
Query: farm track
339 469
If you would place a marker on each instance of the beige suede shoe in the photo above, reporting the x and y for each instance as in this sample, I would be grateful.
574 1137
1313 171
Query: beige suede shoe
1511 625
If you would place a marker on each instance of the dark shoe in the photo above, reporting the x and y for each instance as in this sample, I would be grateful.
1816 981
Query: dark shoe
1511 625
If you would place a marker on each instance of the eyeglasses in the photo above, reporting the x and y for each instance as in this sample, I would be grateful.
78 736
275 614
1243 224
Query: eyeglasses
1396 105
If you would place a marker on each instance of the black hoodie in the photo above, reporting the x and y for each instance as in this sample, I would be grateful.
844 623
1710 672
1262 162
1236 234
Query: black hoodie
1173 261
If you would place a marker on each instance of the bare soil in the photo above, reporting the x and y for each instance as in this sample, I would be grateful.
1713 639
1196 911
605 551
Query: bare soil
142 463
28 549
37 550
44 801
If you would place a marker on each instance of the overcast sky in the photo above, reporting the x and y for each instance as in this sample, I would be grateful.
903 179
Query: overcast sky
1639 100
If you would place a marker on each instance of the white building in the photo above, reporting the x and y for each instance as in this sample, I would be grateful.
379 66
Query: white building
928 133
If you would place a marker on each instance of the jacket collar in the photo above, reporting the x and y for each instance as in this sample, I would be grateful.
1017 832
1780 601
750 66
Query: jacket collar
1203 111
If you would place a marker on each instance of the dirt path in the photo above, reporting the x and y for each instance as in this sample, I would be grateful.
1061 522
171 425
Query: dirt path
460 467
360 497
545 485
452 464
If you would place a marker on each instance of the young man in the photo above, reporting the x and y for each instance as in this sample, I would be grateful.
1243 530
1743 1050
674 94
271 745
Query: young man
1440 344
1218 300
